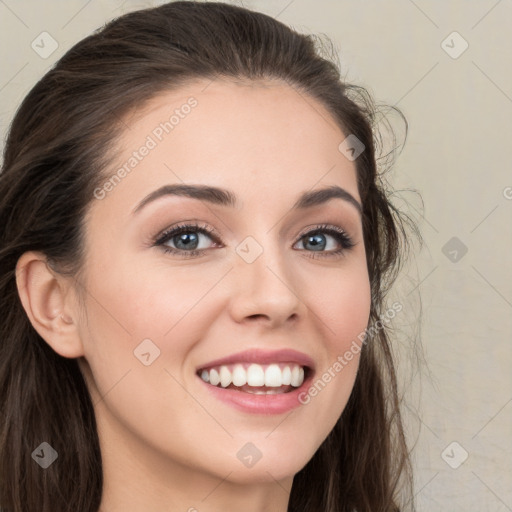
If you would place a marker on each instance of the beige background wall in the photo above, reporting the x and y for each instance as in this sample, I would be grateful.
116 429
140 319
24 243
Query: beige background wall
458 155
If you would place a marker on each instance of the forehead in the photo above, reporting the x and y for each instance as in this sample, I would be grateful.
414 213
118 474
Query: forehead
263 139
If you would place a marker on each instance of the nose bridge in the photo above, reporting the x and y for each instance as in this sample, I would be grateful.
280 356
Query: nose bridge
263 282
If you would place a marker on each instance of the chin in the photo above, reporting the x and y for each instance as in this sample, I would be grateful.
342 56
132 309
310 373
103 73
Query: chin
279 466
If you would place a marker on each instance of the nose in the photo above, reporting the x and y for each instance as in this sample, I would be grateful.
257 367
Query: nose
264 291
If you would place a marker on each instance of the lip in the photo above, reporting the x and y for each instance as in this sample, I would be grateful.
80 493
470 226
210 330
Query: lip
262 404
260 356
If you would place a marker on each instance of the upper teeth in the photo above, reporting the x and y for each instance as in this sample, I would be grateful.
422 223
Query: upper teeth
272 375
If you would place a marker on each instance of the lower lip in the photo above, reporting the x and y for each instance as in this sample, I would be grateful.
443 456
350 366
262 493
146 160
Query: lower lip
260 404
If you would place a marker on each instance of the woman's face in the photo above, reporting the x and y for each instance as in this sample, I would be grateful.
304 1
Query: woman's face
273 280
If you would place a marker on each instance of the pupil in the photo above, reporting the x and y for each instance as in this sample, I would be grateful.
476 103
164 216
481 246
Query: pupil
186 238
317 241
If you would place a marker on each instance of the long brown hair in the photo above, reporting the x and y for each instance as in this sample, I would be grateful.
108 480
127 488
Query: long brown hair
57 153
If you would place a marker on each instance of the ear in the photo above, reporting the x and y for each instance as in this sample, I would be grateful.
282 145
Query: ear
46 297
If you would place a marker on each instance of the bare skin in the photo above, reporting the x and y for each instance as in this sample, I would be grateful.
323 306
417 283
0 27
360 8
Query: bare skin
166 443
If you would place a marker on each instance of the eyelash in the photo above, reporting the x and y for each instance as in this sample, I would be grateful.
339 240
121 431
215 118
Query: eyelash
337 233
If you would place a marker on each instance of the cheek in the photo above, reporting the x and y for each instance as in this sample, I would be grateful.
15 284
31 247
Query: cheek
149 302
342 310
341 302
135 304
350 312
123 315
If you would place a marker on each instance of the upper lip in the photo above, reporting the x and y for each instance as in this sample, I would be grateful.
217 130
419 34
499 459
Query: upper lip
260 356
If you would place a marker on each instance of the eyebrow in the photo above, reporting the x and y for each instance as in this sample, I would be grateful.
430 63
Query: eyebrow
224 197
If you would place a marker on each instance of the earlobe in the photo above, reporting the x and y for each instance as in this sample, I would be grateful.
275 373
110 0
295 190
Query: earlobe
43 294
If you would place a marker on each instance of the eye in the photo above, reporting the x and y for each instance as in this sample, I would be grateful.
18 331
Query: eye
186 239
317 240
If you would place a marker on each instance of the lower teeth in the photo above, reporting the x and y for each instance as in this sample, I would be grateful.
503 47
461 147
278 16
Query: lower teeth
259 392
